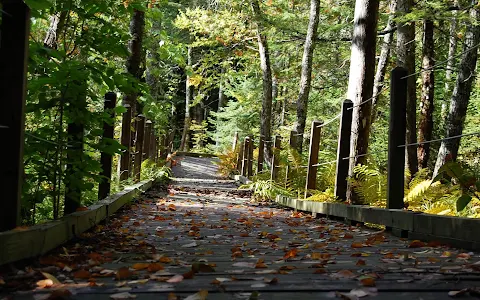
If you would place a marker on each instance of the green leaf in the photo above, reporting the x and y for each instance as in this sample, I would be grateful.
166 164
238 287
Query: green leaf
38 4
120 110
463 201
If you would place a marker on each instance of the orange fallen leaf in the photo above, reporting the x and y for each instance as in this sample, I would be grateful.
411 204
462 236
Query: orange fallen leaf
188 275
433 259
348 236
172 207
320 271
361 262
260 264
356 254
172 296
82 208
416 244
369 281
140 266
357 245
463 256
154 267
344 274
123 273
82 274
318 256
290 253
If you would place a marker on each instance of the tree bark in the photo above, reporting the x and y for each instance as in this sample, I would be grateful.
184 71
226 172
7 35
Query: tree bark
135 46
360 83
406 59
306 75
57 22
188 98
452 49
425 124
383 59
266 114
461 92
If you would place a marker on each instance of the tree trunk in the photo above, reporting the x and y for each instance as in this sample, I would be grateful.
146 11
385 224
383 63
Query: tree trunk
425 124
452 49
57 22
461 92
188 99
406 59
137 28
266 114
360 83
306 75
383 60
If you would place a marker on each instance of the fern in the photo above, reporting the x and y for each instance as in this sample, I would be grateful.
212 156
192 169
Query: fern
267 189
370 185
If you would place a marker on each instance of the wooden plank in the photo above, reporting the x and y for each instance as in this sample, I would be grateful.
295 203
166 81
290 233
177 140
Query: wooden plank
245 158
343 150
106 158
39 239
125 140
139 147
311 182
396 137
15 31
276 157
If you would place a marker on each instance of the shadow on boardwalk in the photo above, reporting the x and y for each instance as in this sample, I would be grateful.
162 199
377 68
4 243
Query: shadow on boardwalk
199 236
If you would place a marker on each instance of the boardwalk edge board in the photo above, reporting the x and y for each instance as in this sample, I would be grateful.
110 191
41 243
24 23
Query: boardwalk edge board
195 154
454 231
16 245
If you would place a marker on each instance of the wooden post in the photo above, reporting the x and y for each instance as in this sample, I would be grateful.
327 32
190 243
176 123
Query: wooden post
396 137
275 158
311 183
293 145
163 146
240 158
139 147
250 158
15 31
153 144
246 152
106 158
125 140
146 140
261 149
343 150
235 141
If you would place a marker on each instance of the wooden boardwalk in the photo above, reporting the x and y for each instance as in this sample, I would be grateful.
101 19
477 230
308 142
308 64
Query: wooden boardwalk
206 236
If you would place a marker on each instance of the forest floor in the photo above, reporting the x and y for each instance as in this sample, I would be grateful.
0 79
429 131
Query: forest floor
201 238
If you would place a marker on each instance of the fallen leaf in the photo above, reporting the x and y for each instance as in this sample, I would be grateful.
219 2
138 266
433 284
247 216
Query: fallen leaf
318 256
82 208
458 293
51 277
357 245
123 273
172 207
45 283
154 267
464 256
361 262
82 274
343 274
320 271
202 268
290 254
244 265
175 279
172 296
416 244
368 281
348 236
124 295
201 295
140 266
194 244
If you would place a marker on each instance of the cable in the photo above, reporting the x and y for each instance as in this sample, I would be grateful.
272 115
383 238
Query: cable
441 63
44 140
439 140
330 121
325 163
369 99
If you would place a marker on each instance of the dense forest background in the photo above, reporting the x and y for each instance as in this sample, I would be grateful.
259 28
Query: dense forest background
203 71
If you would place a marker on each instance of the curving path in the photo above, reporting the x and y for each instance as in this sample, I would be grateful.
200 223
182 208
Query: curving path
203 235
